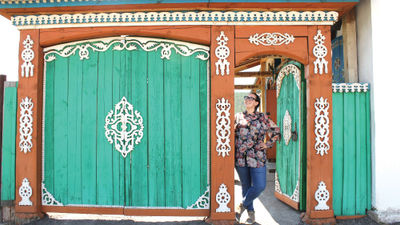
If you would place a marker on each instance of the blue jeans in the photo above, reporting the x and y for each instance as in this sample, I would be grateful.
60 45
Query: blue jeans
253 182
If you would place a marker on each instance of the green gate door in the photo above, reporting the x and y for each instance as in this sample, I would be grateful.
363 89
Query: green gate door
125 124
290 155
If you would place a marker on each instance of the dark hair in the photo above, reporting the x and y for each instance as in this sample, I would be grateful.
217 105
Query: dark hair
257 100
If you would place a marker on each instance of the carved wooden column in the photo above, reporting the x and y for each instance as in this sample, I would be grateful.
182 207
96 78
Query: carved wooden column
222 124
319 129
29 125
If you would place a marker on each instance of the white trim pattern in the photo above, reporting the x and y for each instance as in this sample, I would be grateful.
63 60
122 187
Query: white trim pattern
320 51
48 198
25 125
287 127
203 202
321 126
223 127
295 196
223 198
222 52
285 71
27 55
268 39
350 87
25 191
322 197
176 18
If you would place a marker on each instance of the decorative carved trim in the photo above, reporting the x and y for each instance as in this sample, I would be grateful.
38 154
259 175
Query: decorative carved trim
176 18
25 191
223 198
48 198
320 51
294 196
222 52
25 125
203 202
223 124
287 127
285 71
351 87
127 43
268 39
130 123
321 126
322 197
27 55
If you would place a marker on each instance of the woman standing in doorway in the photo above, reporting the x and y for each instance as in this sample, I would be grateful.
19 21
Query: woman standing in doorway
251 128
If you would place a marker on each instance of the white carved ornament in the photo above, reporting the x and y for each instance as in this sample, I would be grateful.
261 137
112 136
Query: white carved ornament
287 127
321 126
25 191
124 127
203 202
322 197
27 55
320 51
25 125
285 71
48 198
352 87
294 196
223 124
268 39
223 198
222 52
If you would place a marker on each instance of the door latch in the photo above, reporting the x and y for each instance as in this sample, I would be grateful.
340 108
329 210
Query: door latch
294 133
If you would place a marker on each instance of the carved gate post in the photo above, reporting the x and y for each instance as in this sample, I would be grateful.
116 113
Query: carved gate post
29 121
319 130
222 122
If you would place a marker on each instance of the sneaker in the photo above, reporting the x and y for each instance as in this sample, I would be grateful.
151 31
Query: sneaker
239 211
252 217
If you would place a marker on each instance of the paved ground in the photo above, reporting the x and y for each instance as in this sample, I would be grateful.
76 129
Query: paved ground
269 211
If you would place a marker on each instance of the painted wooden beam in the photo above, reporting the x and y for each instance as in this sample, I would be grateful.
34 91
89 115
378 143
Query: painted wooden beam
350 47
254 74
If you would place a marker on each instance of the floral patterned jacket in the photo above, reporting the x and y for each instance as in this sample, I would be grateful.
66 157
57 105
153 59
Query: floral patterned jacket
250 131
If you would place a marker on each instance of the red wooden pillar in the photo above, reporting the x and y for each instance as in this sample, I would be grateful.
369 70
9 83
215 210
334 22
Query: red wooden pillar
222 124
29 125
319 207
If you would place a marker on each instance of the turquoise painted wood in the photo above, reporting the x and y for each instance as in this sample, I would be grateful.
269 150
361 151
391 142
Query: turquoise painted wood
9 145
290 158
351 153
168 168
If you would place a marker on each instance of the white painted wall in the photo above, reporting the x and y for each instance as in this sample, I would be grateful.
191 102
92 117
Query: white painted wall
378 48
9 42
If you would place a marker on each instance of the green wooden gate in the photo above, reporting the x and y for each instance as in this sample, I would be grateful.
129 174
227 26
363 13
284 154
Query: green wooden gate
146 96
290 173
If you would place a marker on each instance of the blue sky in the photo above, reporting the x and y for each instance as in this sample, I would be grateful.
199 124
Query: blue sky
9 41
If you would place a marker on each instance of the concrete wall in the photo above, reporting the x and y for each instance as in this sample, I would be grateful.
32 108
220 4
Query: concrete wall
378 48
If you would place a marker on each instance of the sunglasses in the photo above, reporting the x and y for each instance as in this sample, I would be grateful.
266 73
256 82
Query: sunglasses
249 98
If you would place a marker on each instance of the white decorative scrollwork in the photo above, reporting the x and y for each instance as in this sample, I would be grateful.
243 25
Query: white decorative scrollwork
25 191
295 196
321 126
25 125
48 198
124 127
27 55
223 197
287 127
285 71
268 39
203 202
320 51
130 44
322 197
222 52
351 87
223 124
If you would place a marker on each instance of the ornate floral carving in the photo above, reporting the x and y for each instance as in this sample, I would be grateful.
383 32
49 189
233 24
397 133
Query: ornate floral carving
222 52
223 198
320 51
287 127
25 191
124 127
223 124
352 87
285 71
27 55
25 125
321 126
203 202
268 39
294 196
48 198
322 197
